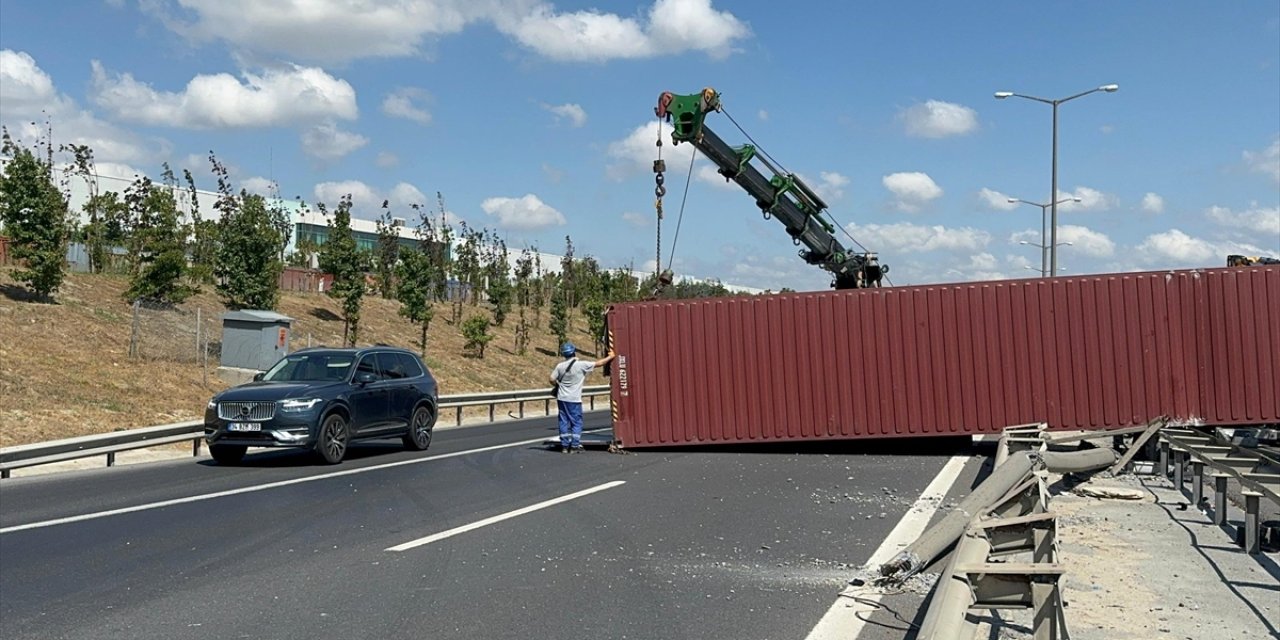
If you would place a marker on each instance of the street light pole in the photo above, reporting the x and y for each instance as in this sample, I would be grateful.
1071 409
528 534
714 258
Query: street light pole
1045 246
1001 95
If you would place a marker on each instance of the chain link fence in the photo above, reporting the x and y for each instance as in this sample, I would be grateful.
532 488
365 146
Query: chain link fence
165 333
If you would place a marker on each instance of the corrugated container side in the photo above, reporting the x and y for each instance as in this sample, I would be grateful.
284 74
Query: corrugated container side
1086 352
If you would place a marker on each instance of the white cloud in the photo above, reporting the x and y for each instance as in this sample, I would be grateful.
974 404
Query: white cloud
575 114
1257 219
996 201
634 155
1174 245
338 30
553 173
673 27
1153 203
1090 200
980 266
366 201
403 103
1083 240
260 186
24 86
527 213
912 190
28 95
905 237
1174 248
830 186
277 97
937 119
763 115
326 141
386 160
637 219
1266 162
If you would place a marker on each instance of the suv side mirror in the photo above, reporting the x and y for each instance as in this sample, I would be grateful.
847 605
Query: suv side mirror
365 378
257 377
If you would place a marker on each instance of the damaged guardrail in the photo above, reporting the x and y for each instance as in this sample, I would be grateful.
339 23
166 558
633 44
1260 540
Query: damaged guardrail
1005 541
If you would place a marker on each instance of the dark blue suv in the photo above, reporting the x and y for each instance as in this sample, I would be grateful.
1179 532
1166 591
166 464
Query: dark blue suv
323 399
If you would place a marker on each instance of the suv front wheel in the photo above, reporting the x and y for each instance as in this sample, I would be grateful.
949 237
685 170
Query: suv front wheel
334 436
420 426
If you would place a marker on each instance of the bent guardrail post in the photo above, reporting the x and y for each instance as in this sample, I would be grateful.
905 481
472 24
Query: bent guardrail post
938 538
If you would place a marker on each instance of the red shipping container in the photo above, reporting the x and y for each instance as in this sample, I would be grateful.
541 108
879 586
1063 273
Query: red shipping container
1087 352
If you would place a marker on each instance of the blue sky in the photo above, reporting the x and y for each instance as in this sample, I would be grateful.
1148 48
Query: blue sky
536 118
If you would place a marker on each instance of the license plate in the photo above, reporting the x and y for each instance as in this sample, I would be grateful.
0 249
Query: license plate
244 426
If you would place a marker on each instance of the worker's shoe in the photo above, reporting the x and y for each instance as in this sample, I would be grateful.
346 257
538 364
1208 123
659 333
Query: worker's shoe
577 449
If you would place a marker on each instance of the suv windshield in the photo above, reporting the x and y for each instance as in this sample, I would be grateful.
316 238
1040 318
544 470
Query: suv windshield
311 367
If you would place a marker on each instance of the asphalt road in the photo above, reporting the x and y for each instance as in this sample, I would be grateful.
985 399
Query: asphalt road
735 543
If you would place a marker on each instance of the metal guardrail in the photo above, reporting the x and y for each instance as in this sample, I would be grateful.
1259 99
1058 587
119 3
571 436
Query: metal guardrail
1182 447
109 444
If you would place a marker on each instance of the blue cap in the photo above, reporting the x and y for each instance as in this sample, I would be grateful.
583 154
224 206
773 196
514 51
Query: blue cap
568 349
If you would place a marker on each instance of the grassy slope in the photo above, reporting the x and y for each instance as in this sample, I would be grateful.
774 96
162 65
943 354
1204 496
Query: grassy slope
65 369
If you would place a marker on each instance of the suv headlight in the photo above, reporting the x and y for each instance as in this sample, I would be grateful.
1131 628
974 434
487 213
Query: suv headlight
213 404
299 405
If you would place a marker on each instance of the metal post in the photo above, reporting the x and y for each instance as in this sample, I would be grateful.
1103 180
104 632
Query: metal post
111 459
1044 248
1179 461
546 405
1164 458
1219 499
1045 624
593 402
1251 530
198 334
492 406
4 473
459 416
1053 198
1197 479
521 408
195 447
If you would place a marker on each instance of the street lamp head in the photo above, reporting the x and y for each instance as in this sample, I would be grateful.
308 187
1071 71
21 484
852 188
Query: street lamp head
1110 88
1001 95
1023 242
1013 201
1077 199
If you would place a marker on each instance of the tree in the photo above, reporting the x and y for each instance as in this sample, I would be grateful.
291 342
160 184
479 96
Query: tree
34 213
205 234
246 248
559 320
82 165
386 253
476 332
340 257
567 279
524 297
497 274
157 242
467 268
414 288
108 231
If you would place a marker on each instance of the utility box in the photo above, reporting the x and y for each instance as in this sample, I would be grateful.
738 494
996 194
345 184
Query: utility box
254 340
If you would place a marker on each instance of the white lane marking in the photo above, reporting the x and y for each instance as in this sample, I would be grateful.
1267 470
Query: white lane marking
847 617
435 537
263 487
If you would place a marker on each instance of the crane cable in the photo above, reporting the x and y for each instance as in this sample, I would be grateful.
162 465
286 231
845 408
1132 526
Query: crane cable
688 179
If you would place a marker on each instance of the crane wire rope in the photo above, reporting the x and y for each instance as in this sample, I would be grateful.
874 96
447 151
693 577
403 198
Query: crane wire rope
688 179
